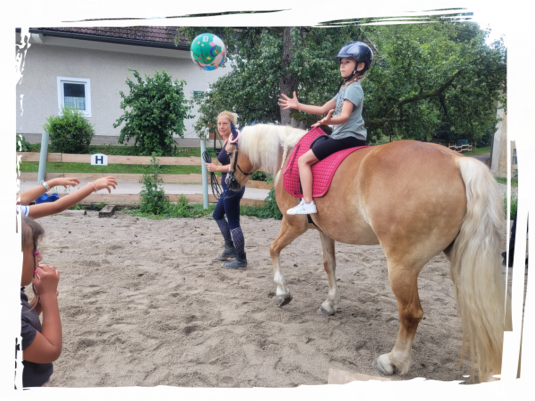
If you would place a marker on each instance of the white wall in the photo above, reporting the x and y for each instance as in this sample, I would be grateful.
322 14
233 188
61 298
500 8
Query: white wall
107 70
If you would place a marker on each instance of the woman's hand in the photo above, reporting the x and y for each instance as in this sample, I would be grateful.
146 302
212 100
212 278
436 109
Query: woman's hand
288 103
105 183
212 168
325 120
66 182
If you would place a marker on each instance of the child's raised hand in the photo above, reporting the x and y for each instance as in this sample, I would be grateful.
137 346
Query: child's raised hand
66 182
325 120
46 280
105 183
289 103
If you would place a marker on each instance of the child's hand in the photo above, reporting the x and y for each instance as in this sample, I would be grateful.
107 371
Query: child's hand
66 182
105 183
289 103
46 280
325 120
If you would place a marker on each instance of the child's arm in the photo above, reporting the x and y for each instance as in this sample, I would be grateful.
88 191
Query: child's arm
46 209
32 194
46 346
347 108
293 103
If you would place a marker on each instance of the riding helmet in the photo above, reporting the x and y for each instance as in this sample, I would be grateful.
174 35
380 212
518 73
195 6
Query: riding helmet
360 51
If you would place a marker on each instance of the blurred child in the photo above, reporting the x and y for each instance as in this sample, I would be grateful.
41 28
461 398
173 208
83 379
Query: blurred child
41 343
65 202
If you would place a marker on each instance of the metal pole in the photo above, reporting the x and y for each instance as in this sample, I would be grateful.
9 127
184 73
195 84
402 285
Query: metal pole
204 177
42 159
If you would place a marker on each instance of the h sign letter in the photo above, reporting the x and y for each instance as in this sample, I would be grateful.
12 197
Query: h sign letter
99 160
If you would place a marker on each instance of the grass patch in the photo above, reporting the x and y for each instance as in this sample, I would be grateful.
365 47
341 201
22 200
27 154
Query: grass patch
181 209
514 205
51 167
125 150
478 151
503 180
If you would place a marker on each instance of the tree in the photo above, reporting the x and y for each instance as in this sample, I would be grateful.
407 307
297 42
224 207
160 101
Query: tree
157 110
425 77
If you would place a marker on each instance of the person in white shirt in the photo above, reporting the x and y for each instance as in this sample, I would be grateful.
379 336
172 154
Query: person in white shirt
524 216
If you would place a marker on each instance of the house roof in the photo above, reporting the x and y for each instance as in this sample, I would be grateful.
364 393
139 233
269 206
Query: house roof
61 17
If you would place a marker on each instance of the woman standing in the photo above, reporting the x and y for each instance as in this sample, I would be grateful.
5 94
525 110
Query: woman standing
229 202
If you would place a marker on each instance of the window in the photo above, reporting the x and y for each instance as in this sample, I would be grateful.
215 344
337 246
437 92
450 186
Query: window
74 93
87 6
198 95
154 15
514 158
525 119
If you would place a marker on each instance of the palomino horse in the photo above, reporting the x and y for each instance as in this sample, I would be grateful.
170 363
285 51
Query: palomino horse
415 200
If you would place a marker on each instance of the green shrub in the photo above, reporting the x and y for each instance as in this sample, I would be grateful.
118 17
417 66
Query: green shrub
153 200
514 205
69 132
269 210
261 176
9 142
183 209
157 109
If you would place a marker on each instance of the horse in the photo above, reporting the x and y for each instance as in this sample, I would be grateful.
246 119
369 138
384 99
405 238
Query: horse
415 200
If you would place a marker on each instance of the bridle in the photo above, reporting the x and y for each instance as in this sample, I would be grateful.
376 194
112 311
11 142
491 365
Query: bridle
230 175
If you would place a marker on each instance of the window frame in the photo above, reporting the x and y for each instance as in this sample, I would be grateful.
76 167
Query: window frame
529 106
61 96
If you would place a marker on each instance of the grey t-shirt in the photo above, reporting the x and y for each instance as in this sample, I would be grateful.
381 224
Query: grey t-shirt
18 329
355 125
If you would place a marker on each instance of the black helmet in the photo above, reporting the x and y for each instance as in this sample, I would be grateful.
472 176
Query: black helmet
360 51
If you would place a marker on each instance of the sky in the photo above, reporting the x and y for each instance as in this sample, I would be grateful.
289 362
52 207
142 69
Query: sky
519 13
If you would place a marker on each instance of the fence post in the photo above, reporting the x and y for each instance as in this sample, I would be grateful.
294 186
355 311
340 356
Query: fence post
42 159
204 177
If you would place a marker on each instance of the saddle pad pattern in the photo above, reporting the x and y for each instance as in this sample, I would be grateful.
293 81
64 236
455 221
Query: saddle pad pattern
322 172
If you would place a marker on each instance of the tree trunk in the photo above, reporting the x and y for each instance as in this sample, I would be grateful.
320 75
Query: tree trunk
288 81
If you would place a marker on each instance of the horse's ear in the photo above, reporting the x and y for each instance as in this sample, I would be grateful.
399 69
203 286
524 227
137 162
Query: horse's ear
234 132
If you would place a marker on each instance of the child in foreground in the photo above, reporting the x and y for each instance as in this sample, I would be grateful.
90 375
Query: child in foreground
41 343
20 202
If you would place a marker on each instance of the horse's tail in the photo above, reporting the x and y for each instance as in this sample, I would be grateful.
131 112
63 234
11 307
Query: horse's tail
476 270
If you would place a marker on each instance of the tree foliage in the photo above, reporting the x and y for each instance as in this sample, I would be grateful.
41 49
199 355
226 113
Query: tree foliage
155 110
426 79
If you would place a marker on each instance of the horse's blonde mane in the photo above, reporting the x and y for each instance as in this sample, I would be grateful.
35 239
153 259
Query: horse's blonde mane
262 143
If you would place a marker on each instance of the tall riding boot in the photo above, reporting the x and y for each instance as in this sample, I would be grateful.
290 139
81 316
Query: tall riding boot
239 244
229 252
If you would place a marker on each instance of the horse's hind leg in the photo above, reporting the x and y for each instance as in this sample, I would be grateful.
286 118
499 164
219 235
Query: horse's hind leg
289 231
331 304
404 282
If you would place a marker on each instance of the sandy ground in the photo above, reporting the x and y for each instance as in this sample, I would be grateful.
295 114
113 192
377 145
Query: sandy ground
144 303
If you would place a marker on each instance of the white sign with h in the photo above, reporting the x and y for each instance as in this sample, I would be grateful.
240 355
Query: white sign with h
99 159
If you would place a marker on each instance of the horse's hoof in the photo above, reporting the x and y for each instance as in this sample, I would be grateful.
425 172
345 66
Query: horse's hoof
324 312
280 301
385 369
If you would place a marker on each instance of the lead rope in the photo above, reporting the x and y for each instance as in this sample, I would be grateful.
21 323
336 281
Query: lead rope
217 191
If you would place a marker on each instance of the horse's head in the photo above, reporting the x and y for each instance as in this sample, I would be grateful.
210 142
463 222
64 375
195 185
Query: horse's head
240 168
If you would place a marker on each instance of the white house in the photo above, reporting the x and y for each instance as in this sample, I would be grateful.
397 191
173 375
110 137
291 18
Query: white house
87 68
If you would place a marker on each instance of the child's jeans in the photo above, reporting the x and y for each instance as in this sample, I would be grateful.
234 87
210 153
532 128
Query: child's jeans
41 394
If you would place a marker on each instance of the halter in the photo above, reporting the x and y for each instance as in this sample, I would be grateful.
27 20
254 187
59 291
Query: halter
234 140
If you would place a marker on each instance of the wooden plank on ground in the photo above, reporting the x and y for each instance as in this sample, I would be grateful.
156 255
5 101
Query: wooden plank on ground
136 198
346 386
35 157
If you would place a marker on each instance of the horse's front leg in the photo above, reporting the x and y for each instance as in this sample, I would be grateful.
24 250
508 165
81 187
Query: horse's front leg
331 304
291 228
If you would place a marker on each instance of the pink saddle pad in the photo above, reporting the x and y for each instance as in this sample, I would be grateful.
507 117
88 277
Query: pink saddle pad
322 172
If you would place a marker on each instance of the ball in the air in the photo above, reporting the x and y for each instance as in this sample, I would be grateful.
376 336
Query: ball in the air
208 51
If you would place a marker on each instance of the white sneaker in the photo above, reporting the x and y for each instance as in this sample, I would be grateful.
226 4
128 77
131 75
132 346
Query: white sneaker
303 208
